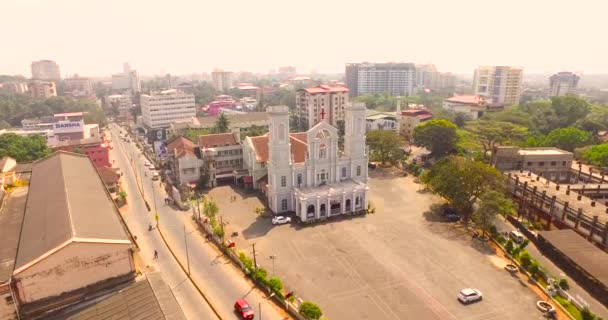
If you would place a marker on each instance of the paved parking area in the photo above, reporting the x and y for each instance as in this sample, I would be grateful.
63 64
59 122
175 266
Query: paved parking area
400 263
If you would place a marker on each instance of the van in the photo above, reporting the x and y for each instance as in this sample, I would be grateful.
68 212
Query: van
155 176
516 236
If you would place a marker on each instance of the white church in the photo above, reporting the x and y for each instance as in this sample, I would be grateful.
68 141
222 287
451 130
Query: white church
305 172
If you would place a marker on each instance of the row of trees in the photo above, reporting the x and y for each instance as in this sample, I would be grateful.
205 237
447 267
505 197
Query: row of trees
23 149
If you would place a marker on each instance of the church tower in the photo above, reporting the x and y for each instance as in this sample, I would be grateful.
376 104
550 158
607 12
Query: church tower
354 140
279 161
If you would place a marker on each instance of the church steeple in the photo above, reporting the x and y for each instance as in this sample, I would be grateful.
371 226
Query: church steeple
354 138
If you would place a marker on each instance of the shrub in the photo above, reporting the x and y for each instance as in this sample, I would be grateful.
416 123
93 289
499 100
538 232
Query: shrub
534 268
509 246
524 244
493 230
275 284
310 310
525 259
260 276
586 314
218 231
248 263
563 283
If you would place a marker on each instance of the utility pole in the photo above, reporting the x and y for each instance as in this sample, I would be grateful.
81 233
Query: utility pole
273 257
260 308
153 198
255 264
222 226
187 256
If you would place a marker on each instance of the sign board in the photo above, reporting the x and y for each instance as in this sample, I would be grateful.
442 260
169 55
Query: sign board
68 126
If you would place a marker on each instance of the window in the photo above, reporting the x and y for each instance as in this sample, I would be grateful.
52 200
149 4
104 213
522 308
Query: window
564 163
553 163
283 181
358 171
299 179
541 164
343 172
284 204
322 151
529 164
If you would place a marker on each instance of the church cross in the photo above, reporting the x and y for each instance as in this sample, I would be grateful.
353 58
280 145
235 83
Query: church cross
322 114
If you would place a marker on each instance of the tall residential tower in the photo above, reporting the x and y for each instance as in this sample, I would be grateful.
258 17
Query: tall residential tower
499 85
563 83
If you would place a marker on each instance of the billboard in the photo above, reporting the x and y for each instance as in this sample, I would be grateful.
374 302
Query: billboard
68 126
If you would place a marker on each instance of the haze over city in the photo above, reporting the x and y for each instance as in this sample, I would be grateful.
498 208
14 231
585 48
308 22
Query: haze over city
94 38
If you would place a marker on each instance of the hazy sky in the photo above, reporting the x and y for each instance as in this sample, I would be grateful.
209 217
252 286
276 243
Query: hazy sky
92 37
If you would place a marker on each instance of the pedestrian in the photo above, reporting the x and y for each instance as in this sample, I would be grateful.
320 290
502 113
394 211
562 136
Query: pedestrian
155 254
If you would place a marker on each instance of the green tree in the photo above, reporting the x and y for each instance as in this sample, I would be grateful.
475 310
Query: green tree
525 259
222 124
460 118
210 208
23 149
462 181
569 109
491 132
567 138
204 93
597 155
586 314
385 145
491 203
439 136
276 285
534 268
310 310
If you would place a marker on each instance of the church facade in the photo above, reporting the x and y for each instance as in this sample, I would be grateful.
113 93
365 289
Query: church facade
305 172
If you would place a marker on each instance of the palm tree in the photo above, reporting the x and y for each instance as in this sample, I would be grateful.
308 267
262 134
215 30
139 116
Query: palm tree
222 124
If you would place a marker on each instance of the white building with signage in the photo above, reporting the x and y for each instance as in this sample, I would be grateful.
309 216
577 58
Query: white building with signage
161 109
305 171
71 130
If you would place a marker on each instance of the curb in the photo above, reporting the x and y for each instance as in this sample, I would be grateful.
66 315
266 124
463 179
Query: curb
188 276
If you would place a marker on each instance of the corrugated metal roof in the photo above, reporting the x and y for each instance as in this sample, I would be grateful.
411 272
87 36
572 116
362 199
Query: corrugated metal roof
66 199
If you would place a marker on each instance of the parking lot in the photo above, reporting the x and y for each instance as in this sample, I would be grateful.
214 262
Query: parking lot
400 263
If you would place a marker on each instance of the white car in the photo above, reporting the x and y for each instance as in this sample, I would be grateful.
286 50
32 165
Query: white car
469 295
147 163
281 220
151 167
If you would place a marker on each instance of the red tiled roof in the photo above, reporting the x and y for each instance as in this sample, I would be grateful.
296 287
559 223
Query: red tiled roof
217 140
181 146
298 147
466 99
109 176
325 88
424 117
415 112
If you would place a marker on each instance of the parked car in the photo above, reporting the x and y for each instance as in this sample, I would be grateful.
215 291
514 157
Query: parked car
449 214
281 220
516 236
243 309
151 167
155 176
469 295
371 165
147 163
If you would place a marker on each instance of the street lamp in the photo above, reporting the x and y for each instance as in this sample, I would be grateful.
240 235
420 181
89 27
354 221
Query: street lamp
273 257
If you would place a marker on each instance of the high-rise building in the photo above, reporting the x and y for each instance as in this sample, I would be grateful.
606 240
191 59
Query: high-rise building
321 103
15 87
79 86
222 80
499 85
396 79
446 80
563 83
126 80
159 110
45 70
286 73
427 77
42 89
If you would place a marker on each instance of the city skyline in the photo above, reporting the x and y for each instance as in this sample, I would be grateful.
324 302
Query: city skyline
184 37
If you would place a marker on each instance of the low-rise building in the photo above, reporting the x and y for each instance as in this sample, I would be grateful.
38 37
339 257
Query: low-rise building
72 241
377 120
14 87
95 148
236 121
7 173
410 119
222 154
552 163
471 105
185 165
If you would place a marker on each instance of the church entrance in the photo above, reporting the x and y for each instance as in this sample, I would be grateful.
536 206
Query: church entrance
323 210
310 212
335 208
348 205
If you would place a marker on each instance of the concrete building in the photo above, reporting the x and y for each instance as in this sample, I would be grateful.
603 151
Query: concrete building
124 102
45 70
95 148
222 80
161 109
128 80
472 106
552 163
186 167
42 89
7 172
78 86
72 242
305 172
499 85
14 87
377 120
236 121
563 83
396 79
66 130
222 155
427 77
446 80
324 102
410 119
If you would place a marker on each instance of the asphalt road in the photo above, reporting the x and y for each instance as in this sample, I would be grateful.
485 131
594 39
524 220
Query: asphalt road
137 219
219 280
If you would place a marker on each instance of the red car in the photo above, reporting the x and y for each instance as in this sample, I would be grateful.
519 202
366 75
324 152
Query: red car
243 309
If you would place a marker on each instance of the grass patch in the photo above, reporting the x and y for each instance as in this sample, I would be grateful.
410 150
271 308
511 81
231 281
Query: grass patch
572 310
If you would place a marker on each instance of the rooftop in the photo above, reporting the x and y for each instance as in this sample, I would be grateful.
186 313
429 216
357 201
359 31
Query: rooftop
217 140
466 99
11 218
326 89
415 112
298 141
181 146
69 114
67 201
542 151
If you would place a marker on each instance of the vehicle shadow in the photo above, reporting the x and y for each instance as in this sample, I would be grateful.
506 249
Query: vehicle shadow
260 227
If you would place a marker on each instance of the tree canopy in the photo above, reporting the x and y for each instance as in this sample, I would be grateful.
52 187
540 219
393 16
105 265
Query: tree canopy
597 155
439 136
385 145
23 149
491 203
567 138
14 108
492 132
222 124
462 181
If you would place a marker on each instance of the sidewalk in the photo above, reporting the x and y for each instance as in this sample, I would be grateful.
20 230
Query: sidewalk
575 290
